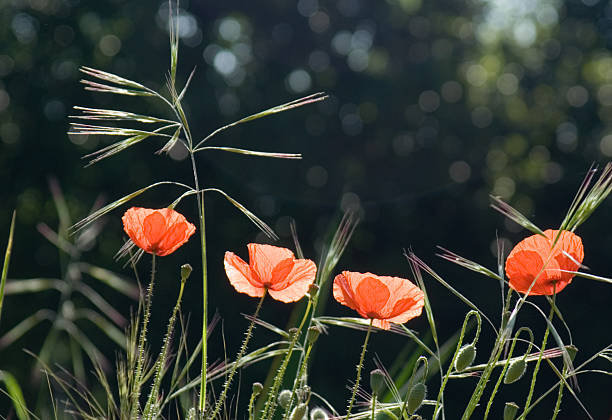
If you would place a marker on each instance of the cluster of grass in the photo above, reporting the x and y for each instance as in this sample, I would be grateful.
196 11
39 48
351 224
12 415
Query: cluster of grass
177 381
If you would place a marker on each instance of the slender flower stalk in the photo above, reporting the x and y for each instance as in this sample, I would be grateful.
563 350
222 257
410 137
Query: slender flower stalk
536 369
141 343
270 406
235 365
559 395
151 408
359 367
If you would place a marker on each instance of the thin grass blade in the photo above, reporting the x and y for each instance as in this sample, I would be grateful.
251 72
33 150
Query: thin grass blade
316 97
109 207
116 115
514 215
7 259
14 392
252 152
464 262
110 77
256 220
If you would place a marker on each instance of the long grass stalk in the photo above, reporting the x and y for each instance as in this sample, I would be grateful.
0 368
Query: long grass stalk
140 355
232 372
359 367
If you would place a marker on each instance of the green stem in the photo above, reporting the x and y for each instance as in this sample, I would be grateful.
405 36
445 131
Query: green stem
559 395
202 404
373 417
359 366
537 366
235 365
297 379
452 363
503 372
270 406
150 412
141 343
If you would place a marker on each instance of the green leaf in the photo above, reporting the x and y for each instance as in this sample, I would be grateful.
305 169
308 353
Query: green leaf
14 392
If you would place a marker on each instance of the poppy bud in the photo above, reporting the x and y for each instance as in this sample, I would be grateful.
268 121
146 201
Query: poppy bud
319 414
257 388
416 397
303 393
284 397
313 289
185 272
515 371
313 334
510 411
299 412
377 381
465 358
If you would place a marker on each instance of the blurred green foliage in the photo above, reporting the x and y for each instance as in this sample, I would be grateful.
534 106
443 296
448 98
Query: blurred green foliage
434 106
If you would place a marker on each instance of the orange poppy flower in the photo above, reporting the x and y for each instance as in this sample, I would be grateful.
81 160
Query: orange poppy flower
380 298
157 231
526 262
273 269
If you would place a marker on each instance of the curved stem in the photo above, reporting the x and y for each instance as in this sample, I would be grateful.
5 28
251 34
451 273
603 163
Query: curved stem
141 342
359 366
297 379
234 368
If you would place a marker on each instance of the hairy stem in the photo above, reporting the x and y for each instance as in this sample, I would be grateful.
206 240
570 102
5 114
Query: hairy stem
359 367
234 368
150 409
141 343
270 406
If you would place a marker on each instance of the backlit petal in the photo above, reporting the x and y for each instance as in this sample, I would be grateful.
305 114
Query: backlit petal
297 282
263 259
241 277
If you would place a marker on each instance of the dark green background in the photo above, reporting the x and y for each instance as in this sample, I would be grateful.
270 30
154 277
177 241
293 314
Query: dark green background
433 106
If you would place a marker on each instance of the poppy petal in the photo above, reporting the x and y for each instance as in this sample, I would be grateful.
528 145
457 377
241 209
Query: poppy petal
343 292
154 228
241 276
381 323
373 295
297 282
263 259
175 237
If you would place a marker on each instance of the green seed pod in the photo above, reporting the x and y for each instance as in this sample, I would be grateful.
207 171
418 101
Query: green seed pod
313 289
312 334
284 397
319 414
416 397
515 371
185 272
465 358
510 411
257 388
299 412
377 381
